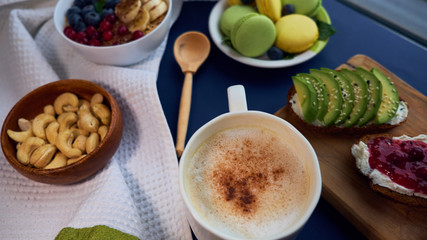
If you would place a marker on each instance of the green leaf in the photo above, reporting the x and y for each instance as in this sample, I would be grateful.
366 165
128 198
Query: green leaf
325 30
227 40
99 5
288 56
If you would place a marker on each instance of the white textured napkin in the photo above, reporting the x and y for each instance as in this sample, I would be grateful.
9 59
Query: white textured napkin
138 191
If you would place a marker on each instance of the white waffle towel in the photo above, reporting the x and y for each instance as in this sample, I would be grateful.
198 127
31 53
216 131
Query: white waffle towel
138 191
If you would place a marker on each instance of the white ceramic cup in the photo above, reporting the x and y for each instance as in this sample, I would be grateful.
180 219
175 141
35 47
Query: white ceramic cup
240 116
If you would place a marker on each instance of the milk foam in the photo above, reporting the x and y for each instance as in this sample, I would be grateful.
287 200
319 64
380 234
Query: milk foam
248 182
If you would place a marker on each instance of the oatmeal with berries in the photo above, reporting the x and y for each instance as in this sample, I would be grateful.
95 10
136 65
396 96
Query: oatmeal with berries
112 22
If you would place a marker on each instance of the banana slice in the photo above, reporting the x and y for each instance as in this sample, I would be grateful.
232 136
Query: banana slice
148 5
140 22
127 10
158 11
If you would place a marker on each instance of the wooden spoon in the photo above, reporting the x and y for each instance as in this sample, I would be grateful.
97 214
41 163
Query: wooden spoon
190 49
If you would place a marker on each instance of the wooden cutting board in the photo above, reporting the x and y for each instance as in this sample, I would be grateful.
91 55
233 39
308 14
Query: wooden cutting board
377 217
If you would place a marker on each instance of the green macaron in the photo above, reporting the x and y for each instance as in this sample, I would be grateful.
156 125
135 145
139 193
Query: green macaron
230 16
253 34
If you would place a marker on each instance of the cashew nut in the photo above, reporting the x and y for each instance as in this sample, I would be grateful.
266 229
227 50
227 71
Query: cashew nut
80 142
66 119
42 155
52 132
60 160
66 131
92 142
84 103
73 160
26 131
49 109
87 121
68 100
102 112
27 148
102 131
77 131
40 123
96 98
64 144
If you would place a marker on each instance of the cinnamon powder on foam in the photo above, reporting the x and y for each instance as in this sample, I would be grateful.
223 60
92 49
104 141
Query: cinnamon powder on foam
248 181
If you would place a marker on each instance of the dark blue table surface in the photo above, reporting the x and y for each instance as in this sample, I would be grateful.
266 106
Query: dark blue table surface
266 89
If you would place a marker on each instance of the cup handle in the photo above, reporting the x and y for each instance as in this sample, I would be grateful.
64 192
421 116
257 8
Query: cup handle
237 99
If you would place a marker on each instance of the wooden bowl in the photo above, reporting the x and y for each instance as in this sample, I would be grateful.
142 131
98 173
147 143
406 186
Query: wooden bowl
33 103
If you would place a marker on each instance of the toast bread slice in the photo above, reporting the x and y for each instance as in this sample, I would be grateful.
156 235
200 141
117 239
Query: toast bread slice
396 196
366 129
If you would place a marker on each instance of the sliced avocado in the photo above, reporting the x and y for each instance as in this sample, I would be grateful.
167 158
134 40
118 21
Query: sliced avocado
307 97
334 96
346 93
360 89
375 93
390 99
322 94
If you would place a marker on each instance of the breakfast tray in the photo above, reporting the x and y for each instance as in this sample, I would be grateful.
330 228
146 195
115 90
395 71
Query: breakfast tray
377 217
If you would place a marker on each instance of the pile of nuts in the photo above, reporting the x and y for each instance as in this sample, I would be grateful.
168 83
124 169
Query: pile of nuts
64 133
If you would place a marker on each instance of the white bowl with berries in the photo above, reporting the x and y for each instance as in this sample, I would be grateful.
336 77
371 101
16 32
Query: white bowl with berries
113 32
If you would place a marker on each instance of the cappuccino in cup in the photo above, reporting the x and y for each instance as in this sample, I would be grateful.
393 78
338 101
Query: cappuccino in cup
248 182
248 175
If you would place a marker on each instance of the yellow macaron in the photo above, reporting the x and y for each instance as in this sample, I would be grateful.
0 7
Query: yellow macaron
296 33
270 8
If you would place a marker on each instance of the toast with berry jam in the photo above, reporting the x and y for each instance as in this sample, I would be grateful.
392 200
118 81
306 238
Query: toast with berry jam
395 165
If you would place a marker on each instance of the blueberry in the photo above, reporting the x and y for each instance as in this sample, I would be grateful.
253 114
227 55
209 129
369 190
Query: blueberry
275 53
106 11
80 27
88 8
73 10
74 19
247 1
80 3
111 3
288 9
92 19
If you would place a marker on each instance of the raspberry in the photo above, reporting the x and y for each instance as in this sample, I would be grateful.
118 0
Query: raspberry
70 33
90 30
81 35
84 41
137 34
111 18
122 30
107 35
105 25
94 42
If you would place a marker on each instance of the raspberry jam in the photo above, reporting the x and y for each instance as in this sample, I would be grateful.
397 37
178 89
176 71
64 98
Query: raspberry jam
403 161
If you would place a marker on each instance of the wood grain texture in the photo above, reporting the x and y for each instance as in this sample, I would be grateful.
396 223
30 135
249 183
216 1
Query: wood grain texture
376 216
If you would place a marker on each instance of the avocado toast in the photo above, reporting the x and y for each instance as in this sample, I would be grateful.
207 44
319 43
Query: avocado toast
359 101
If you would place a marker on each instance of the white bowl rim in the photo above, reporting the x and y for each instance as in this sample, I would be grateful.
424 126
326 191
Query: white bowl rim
263 61
61 31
